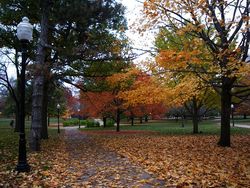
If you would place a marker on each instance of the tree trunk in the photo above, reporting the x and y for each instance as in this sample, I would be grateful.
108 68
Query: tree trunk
182 121
36 120
44 132
195 116
48 119
176 118
118 118
225 113
132 120
17 122
245 116
104 119
140 120
38 83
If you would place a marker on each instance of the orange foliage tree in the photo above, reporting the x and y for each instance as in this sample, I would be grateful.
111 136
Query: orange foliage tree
97 104
143 97
154 111
243 109
118 83
216 25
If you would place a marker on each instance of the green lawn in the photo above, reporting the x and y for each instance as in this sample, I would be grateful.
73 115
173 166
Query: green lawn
242 121
171 127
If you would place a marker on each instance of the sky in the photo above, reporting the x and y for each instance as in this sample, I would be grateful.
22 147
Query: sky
139 41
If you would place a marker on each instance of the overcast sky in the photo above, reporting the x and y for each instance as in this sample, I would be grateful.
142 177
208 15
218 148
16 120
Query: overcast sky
133 14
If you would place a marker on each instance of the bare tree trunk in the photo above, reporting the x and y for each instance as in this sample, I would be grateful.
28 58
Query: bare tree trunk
132 120
225 113
141 120
104 119
48 119
195 116
38 83
44 132
118 118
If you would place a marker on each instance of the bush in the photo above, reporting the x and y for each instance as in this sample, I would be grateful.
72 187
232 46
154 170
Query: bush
110 123
83 122
92 123
71 122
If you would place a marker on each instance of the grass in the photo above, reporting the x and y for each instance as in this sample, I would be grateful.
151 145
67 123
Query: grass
171 127
8 145
242 121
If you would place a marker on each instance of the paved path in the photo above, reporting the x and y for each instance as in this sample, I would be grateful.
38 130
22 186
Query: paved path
242 126
99 167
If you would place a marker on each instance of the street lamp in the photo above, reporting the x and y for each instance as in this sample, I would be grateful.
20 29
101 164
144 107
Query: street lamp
24 35
58 116
232 110
79 118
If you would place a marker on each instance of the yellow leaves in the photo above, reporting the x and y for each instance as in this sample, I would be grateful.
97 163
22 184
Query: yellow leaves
173 60
116 47
123 80
144 91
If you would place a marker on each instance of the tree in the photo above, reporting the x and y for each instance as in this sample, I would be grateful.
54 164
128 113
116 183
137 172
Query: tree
9 58
38 112
120 83
79 40
97 104
243 109
222 27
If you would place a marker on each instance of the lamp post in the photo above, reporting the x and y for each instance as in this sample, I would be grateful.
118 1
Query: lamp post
58 116
232 110
79 118
24 34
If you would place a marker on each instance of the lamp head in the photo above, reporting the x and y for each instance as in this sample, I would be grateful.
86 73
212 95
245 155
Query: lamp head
24 30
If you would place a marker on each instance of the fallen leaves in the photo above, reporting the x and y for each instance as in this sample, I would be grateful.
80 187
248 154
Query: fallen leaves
80 160
187 161
48 168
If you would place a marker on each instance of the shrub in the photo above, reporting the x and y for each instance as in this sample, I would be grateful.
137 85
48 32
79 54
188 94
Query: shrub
92 123
83 122
110 123
71 122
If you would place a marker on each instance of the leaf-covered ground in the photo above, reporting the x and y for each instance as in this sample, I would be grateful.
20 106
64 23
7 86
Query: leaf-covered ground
187 161
76 160
80 159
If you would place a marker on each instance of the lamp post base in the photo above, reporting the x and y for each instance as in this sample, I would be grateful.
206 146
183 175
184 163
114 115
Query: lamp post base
23 167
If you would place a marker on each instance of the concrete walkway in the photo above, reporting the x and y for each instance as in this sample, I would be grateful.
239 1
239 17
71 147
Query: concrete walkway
242 126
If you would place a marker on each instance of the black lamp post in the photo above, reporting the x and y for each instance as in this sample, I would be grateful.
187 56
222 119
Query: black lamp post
79 118
24 34
232 109
58 116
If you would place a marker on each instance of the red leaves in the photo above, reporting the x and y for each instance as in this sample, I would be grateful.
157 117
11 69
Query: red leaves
96 104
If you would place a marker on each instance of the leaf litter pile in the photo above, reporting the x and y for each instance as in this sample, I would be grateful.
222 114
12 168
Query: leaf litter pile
133 160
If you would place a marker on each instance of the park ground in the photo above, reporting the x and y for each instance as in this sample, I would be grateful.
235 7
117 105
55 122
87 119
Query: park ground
159 154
